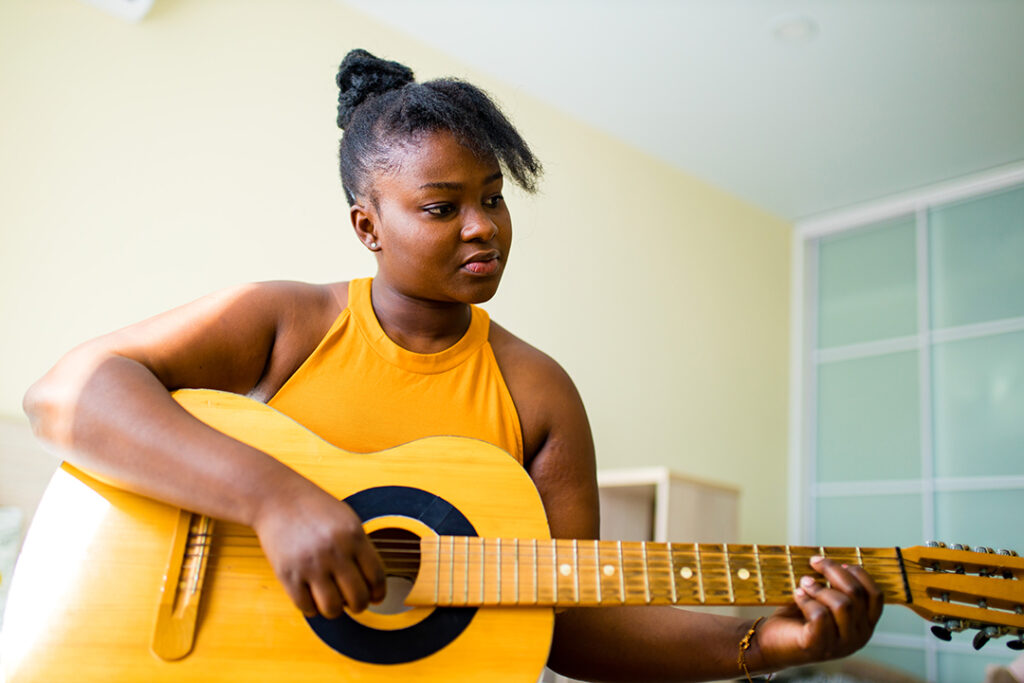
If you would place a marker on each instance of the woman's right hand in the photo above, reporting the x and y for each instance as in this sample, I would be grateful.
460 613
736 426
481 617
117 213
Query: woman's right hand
319 551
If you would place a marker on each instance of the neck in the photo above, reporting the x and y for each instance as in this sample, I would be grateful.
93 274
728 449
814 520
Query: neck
463 571
418 325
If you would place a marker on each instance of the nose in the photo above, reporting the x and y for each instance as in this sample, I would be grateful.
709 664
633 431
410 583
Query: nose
479 226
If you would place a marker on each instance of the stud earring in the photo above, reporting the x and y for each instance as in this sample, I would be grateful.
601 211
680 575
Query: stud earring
373 245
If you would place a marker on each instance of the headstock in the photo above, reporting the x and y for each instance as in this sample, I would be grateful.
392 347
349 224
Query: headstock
957 588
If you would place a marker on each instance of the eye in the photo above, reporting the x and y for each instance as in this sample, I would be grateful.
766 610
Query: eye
439 210
494 201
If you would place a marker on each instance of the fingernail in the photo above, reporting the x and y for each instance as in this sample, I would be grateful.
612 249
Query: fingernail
800 592
846 566
815 559
806 581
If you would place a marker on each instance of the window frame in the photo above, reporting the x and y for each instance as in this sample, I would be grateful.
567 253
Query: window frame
805 358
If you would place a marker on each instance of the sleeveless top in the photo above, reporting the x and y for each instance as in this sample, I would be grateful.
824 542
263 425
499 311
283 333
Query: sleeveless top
362 392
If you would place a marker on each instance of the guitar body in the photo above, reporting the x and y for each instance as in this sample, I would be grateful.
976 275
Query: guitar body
88 588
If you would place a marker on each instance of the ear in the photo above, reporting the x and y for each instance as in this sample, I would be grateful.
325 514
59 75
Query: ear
363 222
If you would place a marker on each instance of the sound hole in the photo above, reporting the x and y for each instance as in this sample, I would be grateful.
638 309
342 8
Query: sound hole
399 550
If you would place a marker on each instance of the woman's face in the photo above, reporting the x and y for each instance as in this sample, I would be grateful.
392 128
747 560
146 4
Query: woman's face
440 222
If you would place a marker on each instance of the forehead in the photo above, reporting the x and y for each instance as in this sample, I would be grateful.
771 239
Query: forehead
434 158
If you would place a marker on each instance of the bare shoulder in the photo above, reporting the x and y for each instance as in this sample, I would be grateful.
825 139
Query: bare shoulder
247 338
543 392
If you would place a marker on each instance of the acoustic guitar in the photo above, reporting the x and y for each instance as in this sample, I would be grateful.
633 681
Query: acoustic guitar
111 586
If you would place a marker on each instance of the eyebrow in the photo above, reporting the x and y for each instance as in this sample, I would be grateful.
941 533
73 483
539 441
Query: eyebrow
458 186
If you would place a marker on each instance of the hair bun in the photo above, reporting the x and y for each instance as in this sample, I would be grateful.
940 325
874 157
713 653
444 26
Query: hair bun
361 76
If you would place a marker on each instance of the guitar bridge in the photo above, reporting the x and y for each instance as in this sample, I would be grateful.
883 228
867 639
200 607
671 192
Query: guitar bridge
178 607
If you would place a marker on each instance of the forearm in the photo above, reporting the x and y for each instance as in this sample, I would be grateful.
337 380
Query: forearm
113 418
648 644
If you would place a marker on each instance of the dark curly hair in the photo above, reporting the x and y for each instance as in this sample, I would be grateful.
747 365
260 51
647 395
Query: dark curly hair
382 108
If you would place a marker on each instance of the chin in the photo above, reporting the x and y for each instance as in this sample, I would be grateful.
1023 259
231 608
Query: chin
481 292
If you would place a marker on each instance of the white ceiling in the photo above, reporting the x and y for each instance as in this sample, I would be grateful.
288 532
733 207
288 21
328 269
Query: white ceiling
886 96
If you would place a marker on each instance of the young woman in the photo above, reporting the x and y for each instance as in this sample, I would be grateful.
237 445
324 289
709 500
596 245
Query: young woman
370 364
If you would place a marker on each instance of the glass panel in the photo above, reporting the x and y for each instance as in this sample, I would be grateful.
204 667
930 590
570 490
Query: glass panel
986 518
979 406
977 248
910 660
900 619
873 521
868 419
955 667
867 285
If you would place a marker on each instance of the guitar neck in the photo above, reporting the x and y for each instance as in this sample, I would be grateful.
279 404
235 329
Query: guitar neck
462 571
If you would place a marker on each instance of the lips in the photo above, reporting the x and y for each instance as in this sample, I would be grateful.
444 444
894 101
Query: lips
482 263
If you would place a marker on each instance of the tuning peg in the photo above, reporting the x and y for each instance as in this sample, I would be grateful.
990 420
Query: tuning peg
1011 553
1016 643
983 549
957 546
942 633
936 544
984 635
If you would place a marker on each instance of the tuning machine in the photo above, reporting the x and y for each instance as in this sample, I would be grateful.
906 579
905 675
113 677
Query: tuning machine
948 628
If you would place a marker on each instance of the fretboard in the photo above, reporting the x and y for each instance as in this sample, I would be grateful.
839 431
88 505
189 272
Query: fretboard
469 571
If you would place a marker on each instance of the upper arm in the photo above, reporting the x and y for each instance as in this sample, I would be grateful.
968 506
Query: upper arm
229 340
558 445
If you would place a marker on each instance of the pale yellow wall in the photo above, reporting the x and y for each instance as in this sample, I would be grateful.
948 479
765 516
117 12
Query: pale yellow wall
143 165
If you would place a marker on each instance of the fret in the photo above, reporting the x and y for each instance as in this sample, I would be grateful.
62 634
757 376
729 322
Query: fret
672 574
634 574
789 562
576 570
801 558
437 569
746 575
515 570
728 572
608 570
467 570
685 578
647 579
700 573
483 563
554 571
588 573
659 574
622 575
860 560
536 575
716 577
498 568
451 570
821 552
760 574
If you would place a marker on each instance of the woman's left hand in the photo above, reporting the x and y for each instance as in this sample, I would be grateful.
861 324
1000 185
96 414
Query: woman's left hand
823 622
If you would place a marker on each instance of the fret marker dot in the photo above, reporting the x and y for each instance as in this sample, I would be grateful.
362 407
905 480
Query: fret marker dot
686 572
743 573
565 570
608 570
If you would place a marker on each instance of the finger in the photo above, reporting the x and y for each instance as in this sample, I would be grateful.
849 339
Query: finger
876 599
353 586
820 625
839 576
372 569
299 593
329 601
850 623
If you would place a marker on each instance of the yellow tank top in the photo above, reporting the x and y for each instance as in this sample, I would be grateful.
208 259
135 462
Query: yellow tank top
363 392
